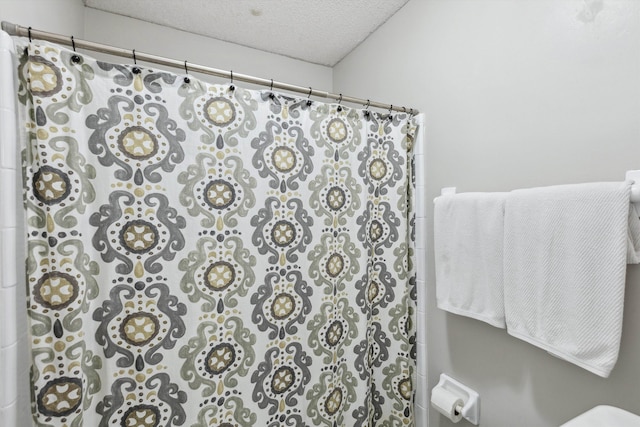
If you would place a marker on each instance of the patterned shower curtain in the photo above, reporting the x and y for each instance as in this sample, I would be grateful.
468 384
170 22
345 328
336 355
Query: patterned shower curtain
199 255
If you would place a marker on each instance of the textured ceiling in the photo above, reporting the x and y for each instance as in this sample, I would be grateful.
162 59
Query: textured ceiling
318 31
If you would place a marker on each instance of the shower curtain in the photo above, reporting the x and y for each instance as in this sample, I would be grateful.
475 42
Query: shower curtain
202 255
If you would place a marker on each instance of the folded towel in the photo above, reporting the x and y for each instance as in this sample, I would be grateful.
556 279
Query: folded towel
468 239
565 256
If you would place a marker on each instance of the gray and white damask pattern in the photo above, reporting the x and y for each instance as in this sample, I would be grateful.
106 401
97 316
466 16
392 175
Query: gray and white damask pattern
202 256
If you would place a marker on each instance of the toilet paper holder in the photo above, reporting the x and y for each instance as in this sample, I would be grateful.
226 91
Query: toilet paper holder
471 408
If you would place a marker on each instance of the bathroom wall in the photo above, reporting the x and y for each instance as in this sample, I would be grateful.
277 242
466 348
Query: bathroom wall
58 16
516 93
131 33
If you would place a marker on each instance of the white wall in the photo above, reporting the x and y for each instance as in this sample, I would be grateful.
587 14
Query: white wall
517 93
145 37
57 16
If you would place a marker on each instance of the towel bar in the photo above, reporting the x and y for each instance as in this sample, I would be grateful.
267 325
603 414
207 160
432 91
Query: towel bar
630 175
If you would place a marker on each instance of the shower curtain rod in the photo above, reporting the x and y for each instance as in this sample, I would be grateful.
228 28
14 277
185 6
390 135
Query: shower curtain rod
18 30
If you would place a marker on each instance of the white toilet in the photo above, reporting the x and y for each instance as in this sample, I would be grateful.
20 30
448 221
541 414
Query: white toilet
604 416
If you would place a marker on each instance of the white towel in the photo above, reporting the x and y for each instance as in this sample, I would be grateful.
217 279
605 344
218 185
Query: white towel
565 256
468 239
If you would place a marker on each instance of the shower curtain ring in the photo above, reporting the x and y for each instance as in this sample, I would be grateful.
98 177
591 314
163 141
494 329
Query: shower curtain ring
271 95
232 87
29 30
186 78
135 69
340 102
74 58
309 101
390 117
366 112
